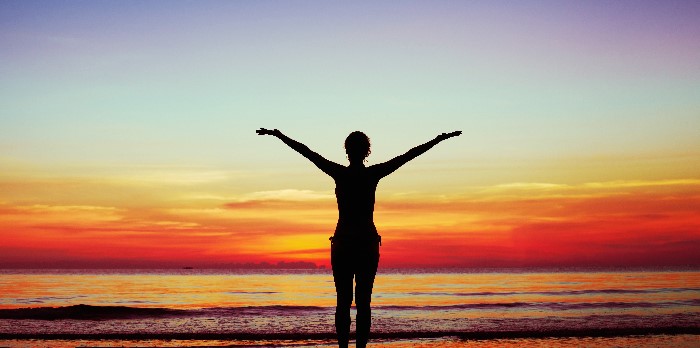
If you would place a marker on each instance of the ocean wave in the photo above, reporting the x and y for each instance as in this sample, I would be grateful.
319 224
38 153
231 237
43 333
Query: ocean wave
276 310
390 335
559 306
559 293
89 312
252 292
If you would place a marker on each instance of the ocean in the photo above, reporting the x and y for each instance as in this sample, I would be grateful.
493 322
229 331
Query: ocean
450 307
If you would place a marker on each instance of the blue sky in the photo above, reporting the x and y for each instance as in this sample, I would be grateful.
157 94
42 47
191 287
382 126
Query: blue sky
178 82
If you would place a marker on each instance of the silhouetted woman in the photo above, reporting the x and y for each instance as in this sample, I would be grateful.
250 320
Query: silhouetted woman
355 244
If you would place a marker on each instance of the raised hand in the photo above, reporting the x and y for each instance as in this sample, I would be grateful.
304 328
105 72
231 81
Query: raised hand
264 131
444 136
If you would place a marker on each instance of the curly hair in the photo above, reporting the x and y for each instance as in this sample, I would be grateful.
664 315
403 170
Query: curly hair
357 145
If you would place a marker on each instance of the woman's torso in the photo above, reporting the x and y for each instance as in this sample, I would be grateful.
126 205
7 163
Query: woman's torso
355 193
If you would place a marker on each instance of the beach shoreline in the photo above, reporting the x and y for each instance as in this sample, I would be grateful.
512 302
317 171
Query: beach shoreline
399 335
651 340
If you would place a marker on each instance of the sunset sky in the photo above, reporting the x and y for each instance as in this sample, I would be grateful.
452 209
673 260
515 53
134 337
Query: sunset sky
127 130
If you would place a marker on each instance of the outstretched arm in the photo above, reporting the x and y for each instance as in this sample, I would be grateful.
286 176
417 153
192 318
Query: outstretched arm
325 165
395 163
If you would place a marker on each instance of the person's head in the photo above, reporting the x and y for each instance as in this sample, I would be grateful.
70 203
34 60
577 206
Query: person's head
357 146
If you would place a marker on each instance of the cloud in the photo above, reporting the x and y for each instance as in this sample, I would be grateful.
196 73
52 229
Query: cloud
641 183
288 199
518 224
526 186
288 195
637 223
43 214
543 186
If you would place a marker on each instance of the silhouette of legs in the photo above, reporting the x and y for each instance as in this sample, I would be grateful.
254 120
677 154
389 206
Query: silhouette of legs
353 260
343 288
363 296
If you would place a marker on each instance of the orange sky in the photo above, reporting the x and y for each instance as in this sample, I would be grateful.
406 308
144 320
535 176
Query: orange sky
196 218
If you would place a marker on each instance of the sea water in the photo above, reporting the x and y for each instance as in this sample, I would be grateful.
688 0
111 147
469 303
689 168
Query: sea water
279 307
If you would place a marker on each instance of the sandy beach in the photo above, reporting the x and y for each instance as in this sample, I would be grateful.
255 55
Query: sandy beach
644 341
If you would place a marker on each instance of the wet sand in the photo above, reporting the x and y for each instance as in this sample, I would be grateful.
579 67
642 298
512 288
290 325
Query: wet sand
642 341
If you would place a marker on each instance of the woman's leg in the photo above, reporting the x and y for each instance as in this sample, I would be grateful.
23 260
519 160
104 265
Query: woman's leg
343 278
366 271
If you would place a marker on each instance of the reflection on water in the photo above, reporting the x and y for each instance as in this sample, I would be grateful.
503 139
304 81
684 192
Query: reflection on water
216 288
301 303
